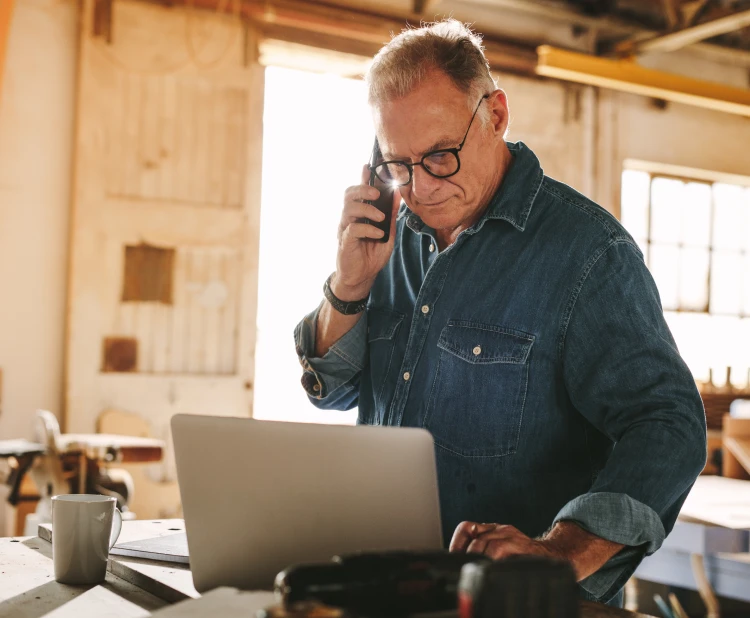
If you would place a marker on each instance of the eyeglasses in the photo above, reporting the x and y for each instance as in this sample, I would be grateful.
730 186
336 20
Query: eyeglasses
438 163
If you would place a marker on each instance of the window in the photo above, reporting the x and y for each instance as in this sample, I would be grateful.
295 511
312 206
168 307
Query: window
695 237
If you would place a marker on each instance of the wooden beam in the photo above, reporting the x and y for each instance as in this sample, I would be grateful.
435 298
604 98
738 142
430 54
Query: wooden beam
6 13
671 14
627 76
356 31
423 7
691 10
686 36
610 29
736 447
740 450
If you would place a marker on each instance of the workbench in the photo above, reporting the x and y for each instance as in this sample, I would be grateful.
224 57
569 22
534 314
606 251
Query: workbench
713 530
134 588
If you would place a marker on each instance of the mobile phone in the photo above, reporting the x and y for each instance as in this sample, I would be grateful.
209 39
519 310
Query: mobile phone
384 203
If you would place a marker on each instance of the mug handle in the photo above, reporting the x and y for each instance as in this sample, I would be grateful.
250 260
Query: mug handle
116 527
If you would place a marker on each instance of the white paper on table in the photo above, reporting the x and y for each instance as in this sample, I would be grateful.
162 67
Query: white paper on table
719 501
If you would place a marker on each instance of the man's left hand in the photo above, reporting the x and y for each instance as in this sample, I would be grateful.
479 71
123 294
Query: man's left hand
497 541
567 541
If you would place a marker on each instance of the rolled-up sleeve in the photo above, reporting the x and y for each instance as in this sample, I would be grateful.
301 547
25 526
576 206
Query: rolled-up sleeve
332 381
624 374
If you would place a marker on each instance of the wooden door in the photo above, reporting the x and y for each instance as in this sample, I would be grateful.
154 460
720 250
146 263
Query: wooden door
164 239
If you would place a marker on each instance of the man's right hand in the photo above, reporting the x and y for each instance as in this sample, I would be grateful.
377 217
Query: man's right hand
358 262
359 259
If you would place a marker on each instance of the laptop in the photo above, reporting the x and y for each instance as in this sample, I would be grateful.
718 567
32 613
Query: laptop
259 496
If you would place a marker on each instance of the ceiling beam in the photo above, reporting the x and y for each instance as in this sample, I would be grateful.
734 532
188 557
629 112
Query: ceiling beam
692 10
628 76
423 7
349 29
685 36
554 10
6 13
670 13
611 29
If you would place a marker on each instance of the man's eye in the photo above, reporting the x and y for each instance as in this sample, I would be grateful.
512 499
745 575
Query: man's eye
437 157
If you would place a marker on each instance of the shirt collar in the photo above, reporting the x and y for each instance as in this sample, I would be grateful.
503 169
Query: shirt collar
517 193
513 200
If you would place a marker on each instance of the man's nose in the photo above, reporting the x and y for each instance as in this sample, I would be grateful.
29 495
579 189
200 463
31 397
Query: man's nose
423 184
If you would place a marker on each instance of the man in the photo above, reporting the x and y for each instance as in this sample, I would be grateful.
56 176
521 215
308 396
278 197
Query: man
515 320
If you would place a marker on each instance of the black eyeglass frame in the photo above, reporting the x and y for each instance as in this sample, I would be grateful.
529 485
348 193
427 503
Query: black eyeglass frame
411 166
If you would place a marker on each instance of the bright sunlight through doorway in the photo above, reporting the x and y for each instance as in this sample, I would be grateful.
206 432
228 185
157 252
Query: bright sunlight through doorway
317 134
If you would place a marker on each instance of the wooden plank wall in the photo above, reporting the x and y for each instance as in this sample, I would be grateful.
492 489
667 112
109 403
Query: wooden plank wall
197 333
168 152
178 140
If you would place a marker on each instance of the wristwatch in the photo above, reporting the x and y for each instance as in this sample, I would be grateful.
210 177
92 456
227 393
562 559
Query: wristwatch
352 307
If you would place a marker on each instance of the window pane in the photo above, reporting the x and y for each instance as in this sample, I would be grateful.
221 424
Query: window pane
634 207
696 215
726 282
726 350
694 279
665 267
666 211
746 289
643 246
739 356
746 226
728 216
692 333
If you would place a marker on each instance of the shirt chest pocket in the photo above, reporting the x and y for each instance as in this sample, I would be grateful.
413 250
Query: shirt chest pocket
476 404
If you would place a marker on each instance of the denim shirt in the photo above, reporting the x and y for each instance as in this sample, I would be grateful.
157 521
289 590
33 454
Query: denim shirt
535 351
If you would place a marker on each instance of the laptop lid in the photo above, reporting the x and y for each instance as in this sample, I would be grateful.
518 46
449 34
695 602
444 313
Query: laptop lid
259 496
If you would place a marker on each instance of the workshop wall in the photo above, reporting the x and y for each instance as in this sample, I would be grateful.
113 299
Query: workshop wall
36 132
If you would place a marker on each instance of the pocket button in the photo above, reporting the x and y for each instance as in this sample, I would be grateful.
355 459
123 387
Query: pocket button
477 350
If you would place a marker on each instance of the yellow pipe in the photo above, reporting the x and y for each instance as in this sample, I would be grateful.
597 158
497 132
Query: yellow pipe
627 76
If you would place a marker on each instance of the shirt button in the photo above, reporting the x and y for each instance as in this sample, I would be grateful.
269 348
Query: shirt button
432 247
407 375
425 309
316 387
477 350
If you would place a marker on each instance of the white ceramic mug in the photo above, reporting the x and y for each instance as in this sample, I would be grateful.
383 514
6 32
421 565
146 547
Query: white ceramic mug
82 535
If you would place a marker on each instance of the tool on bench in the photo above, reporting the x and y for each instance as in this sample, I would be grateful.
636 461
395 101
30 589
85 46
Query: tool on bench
379 584
304 609
73 463
403 583
20 455
520 586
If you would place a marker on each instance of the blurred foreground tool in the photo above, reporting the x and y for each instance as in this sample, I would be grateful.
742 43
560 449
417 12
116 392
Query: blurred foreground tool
379 584
521 586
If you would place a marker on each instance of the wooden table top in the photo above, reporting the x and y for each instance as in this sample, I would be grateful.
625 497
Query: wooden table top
106 447
134 588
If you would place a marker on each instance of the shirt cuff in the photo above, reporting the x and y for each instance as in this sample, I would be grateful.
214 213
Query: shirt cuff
343 361
619 518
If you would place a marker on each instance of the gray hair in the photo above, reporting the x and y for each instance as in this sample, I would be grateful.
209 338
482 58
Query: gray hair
448 46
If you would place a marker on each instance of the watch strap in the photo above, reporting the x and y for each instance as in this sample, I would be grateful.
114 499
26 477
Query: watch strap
352 307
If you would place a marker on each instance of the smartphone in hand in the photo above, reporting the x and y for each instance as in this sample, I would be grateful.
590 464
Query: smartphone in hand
384 203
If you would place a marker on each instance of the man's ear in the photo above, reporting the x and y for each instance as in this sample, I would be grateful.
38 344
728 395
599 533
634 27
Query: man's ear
499 113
